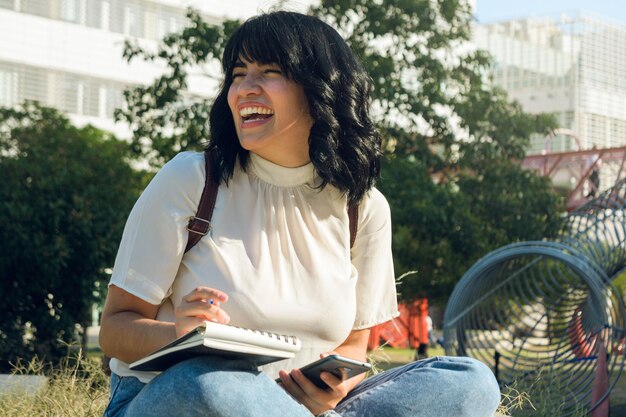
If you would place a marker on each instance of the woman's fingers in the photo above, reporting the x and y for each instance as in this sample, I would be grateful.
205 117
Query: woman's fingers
313 390
317 400
203 310
206 293
290 385
203 303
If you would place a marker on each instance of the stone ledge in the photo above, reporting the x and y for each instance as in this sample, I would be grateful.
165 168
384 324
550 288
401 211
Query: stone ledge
21 384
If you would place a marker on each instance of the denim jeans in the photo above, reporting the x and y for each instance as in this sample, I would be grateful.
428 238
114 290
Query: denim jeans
434 387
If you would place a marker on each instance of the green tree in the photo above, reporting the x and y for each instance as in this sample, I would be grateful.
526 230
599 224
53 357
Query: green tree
441 229
163 117
453 179
430 85
454 142
64 197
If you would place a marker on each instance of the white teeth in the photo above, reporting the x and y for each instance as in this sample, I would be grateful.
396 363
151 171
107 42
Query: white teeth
247 111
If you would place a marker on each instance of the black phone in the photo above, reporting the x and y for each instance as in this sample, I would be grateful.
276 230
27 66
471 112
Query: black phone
342 367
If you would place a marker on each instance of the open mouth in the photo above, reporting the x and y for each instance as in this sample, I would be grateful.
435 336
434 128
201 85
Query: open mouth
253 114
255 117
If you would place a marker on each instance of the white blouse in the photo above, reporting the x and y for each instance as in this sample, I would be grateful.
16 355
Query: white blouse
279 247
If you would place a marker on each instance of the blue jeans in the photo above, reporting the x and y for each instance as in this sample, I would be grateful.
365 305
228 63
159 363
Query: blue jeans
434 387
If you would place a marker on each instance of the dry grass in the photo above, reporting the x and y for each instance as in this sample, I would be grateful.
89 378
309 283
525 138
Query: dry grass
539 397
77 388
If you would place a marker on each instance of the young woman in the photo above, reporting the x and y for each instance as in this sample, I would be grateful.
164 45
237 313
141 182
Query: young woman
292 144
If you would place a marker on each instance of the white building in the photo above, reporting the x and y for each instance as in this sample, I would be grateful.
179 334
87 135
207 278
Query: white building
67 54
573 66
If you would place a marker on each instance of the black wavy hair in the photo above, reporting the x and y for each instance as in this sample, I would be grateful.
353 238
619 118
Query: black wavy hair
344 145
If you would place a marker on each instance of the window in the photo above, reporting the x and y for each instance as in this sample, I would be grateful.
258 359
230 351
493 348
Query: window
94 14
8 88
162 27
105 17
36 7
70 10
33 85
70 94
114 99
7 4
133 24
116 16
90 98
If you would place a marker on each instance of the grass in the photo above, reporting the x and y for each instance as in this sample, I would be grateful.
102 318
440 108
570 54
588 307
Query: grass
540 397
77 388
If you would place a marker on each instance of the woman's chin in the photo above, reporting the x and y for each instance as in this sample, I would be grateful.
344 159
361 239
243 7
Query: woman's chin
252 144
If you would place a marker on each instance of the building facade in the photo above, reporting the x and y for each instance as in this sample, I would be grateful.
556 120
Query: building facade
67 54
573 66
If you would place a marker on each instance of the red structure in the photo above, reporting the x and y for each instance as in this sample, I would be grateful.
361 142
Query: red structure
409 330
581 342
599 392
574 171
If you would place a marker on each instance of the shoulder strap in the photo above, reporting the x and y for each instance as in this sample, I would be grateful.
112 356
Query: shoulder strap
200 224
353 221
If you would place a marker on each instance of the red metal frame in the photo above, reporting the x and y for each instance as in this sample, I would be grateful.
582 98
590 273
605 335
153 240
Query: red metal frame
578 165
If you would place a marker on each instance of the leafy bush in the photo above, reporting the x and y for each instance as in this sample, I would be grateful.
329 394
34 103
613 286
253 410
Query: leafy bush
64 197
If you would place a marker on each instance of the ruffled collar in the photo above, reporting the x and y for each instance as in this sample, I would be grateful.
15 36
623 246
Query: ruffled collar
281 176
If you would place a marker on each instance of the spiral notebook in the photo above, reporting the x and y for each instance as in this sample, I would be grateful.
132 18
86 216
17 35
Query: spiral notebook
216 339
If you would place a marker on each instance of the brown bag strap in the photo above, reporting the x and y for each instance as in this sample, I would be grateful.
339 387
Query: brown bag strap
353 221
200 224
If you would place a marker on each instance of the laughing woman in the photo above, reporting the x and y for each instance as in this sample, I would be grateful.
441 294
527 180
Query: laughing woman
292 146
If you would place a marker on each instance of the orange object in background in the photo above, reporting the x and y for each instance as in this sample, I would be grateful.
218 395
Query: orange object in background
581 341
418 331
408 330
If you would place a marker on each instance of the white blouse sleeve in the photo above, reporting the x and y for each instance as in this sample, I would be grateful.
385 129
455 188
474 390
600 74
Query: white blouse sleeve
372 258
155 234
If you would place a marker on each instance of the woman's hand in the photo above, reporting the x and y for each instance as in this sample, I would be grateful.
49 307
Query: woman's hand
316 399
199 305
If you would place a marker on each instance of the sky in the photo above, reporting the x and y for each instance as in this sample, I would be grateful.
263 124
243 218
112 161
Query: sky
488 11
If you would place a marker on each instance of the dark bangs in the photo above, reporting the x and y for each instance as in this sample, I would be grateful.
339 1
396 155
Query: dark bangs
266 39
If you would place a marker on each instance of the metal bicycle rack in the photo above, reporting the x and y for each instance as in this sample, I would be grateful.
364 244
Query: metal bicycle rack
543 310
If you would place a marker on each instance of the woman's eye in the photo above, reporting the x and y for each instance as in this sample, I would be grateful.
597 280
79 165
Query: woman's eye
273 71
238 75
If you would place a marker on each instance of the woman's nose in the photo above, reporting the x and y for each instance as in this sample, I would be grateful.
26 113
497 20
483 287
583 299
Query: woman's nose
249 86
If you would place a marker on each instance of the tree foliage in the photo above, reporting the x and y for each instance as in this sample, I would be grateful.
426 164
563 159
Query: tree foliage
441 229
453 179
163 117
64 197
430 85
453 141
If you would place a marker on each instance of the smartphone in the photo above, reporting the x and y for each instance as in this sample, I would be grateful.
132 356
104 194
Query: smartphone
343 368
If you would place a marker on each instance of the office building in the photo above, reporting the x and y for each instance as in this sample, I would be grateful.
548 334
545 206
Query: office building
573 66
67 54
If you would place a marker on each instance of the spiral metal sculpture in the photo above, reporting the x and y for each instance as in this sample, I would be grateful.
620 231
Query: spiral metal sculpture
539 310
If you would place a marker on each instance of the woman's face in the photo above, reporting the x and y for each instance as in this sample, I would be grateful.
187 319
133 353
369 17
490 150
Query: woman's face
271 113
